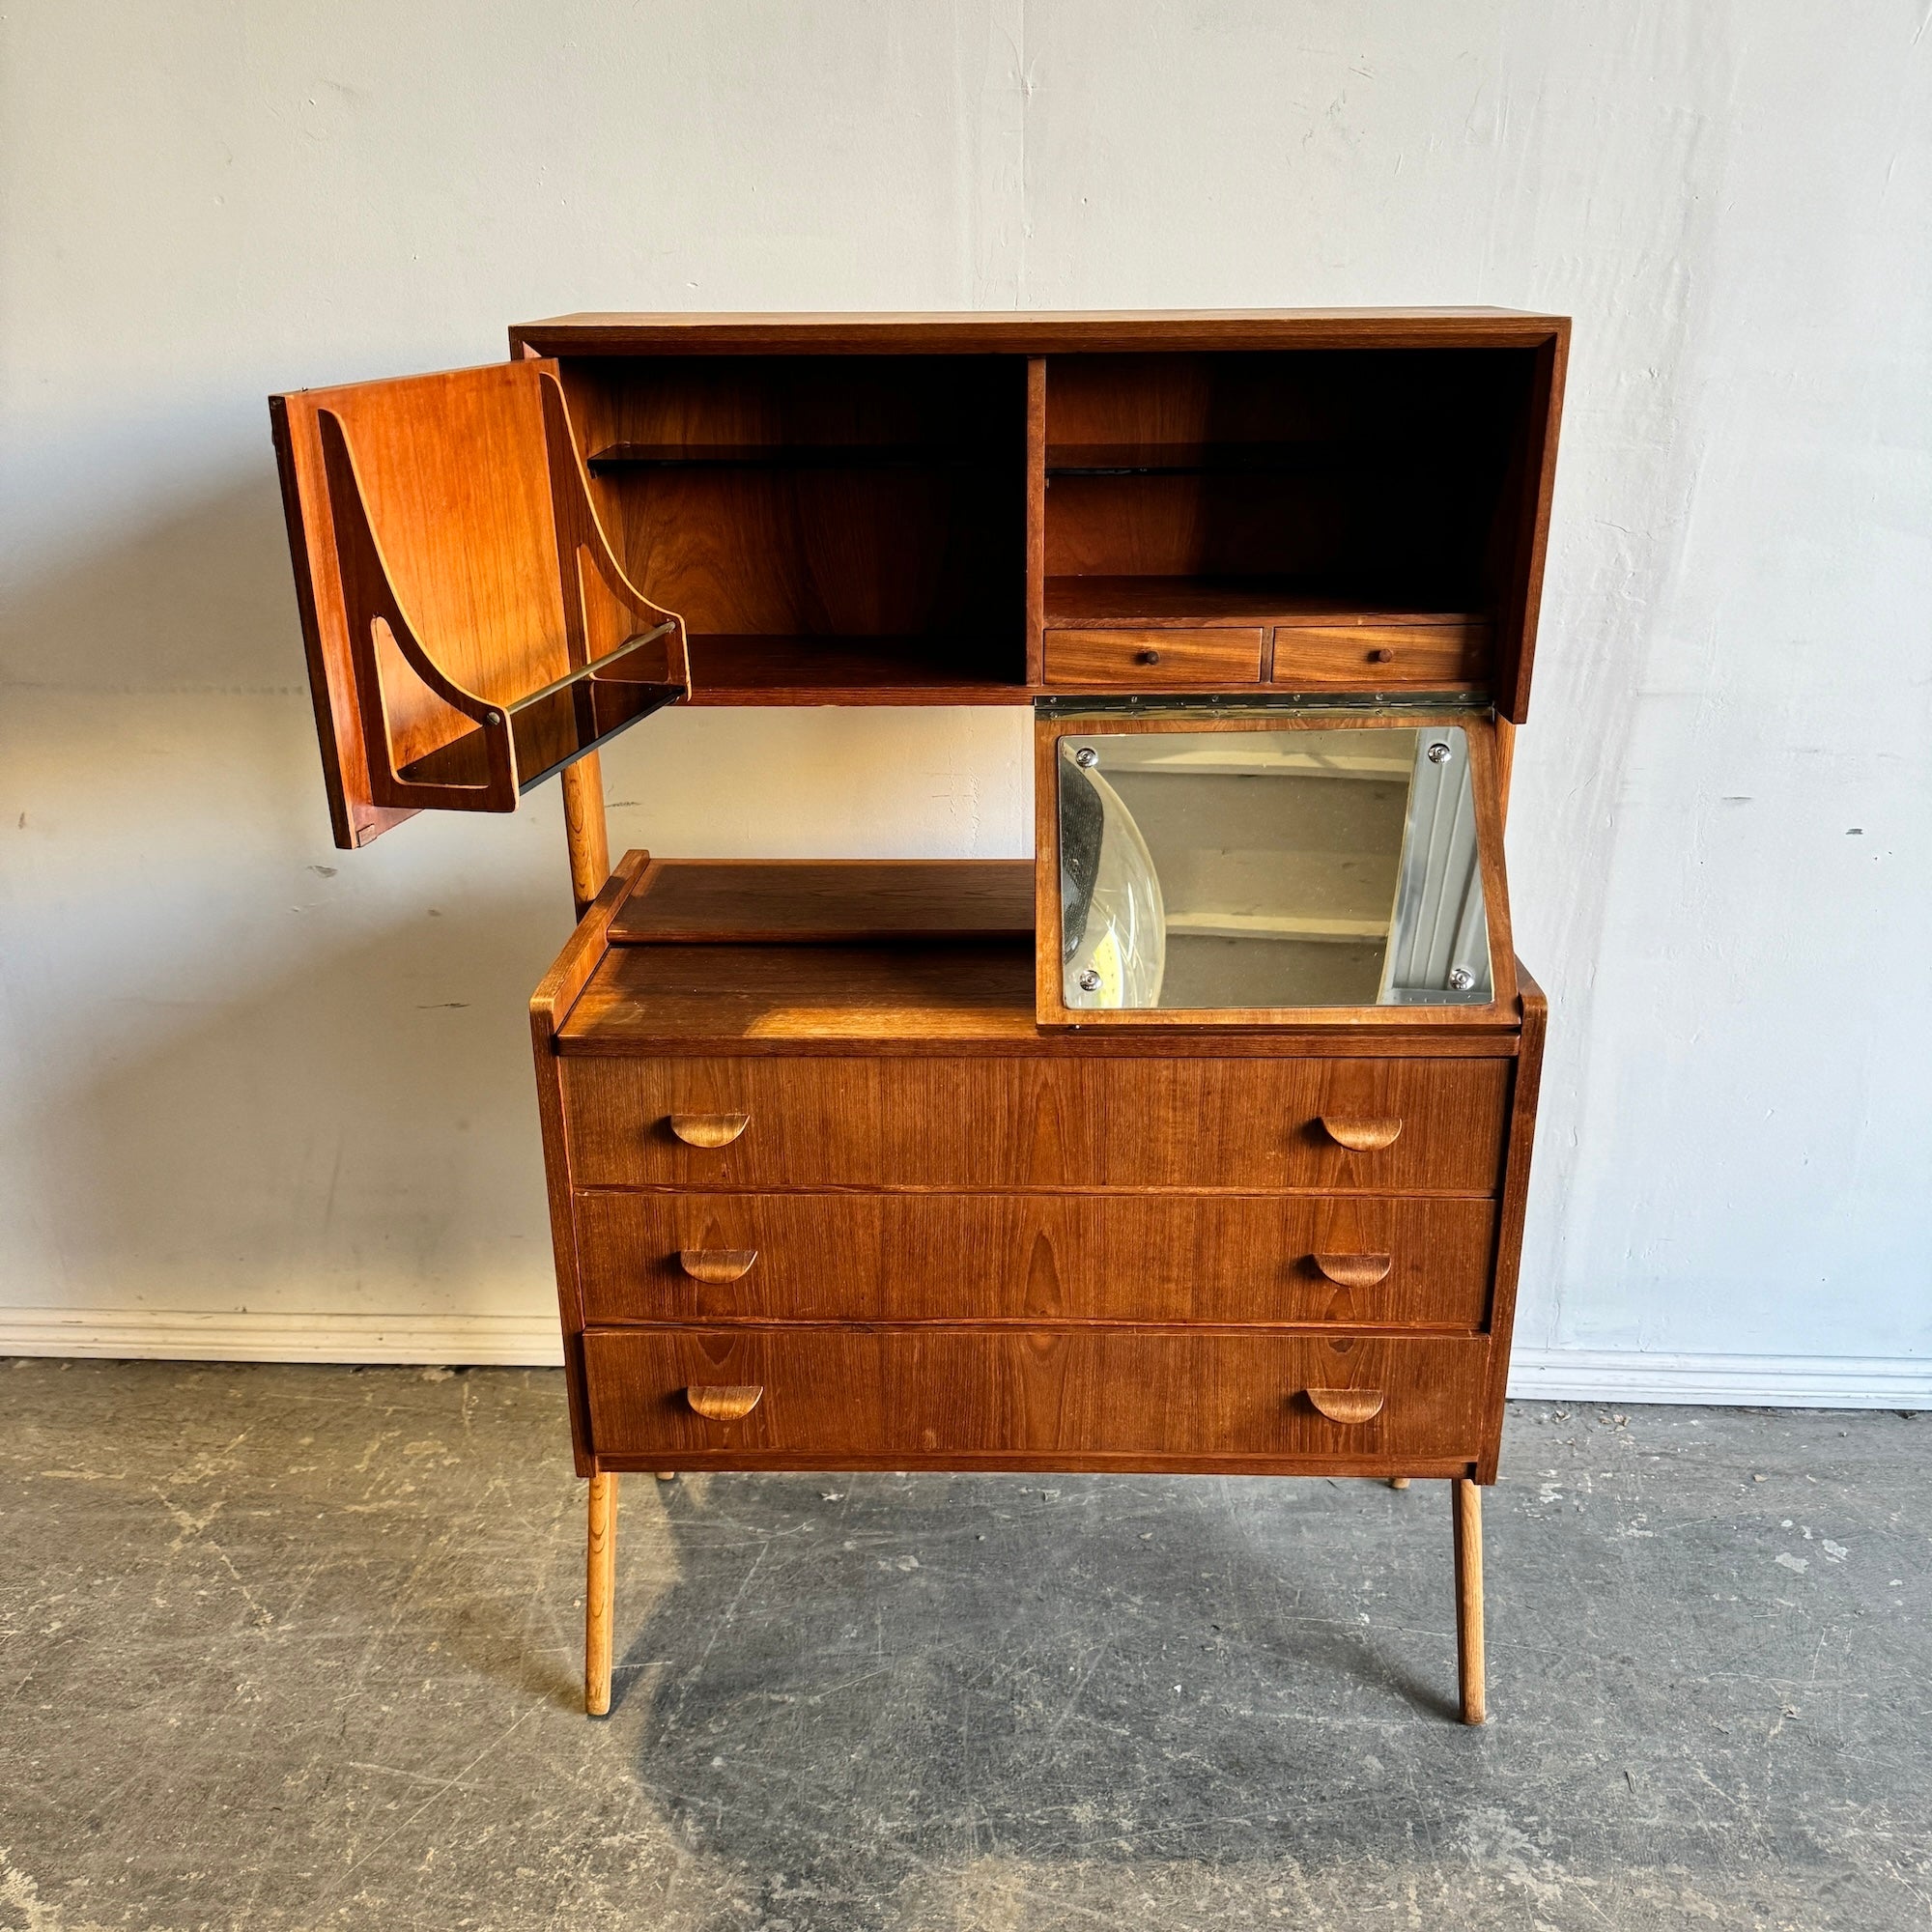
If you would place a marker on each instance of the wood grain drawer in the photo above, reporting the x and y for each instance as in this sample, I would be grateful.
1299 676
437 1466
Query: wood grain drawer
851 1398
1426 657
1018 1124
1352 1260
1208 658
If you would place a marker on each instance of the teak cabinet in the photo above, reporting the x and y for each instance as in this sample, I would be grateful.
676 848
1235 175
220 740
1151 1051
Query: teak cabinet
1201 1141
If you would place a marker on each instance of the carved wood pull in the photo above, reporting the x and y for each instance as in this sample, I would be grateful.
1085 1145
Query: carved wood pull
1361 1133
716 1265
1353 1271
1348 1404
725 1402
709 1130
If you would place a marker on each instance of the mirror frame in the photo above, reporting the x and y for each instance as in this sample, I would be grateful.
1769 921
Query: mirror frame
1050 1009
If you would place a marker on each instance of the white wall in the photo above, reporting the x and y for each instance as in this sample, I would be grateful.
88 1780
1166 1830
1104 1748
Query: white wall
276 1096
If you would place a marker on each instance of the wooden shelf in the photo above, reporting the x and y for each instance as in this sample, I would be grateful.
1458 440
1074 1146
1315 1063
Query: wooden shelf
795 456
758 669
1190 601
559 723
826 902
1218 457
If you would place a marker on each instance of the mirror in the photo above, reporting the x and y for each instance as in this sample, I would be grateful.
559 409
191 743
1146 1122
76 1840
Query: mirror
1253 869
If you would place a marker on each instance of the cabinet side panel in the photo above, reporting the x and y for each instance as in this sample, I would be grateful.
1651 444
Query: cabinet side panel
1527 1079
1521 592
549 1007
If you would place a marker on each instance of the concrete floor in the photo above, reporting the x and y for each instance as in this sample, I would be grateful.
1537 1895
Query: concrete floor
299 1648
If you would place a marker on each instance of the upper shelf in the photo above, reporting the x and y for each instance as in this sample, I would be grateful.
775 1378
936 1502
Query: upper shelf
1218 457
1157 601
791 456
787 670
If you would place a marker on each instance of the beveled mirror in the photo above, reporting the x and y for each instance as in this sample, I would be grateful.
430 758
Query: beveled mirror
1268 866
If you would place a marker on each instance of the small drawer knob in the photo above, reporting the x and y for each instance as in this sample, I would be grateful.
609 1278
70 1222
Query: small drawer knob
709 1130
1348 1404
1382 657
725 1402
1362 1133
716 1265
1353 1271
1146 657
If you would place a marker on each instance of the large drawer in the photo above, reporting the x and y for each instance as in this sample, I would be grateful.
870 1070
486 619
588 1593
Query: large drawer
1073 1397
1352 1260
1420 1125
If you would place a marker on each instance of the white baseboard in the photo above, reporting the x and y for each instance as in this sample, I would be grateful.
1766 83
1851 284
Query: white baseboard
1745 1381
496 1340
518 1341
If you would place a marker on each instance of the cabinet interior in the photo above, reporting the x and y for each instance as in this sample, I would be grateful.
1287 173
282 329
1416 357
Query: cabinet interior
502 567
1277 488
830 529
854 528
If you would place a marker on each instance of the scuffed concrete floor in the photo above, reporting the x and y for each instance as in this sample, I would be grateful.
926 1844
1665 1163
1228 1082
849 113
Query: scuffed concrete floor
299 1648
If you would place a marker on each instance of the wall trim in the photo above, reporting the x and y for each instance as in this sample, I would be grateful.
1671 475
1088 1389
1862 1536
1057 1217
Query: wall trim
520 1341
495 1340
1747 1382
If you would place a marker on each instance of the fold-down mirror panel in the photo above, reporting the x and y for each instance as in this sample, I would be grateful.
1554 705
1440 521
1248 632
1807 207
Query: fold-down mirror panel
1257 869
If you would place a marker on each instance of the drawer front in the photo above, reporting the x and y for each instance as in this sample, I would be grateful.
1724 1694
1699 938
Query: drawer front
1429 657
1355 1260
845 1396
1015 1123
1153 659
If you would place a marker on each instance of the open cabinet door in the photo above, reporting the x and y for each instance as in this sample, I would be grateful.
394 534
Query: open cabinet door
469 628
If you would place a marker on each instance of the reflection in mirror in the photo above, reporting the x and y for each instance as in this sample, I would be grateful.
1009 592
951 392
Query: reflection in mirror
1312 866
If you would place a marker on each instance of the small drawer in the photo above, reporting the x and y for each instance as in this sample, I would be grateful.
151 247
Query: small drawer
1075 1397
1206 659
1391 1125
1351 1261
1430 657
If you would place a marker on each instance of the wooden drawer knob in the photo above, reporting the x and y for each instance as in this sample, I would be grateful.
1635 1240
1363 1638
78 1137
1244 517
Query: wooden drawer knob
716 1265
1348 1404
1353 1271
1361 1133
709 1130
727 1402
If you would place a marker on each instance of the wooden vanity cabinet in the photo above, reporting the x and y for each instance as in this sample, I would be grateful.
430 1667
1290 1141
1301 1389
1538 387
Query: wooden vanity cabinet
848 1166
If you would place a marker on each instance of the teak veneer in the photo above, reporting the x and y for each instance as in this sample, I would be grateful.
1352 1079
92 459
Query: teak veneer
835 1178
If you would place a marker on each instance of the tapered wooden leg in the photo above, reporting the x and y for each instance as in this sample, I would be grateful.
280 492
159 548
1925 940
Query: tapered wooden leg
1398 1482
1466 1501
600 1591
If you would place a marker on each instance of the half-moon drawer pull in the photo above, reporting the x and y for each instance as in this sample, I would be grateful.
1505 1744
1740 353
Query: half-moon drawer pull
1348 1404
1353 1271
1362 1133
725 1402
718 1265
709 1130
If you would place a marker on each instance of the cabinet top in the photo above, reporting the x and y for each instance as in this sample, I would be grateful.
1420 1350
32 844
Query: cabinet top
1038 333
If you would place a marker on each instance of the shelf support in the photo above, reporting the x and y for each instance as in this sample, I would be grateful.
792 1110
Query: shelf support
584 829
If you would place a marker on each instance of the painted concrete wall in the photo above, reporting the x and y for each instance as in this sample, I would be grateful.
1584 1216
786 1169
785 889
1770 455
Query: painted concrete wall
242 1071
